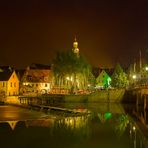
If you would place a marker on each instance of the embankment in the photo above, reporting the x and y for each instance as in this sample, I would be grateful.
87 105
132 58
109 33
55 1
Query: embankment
115 95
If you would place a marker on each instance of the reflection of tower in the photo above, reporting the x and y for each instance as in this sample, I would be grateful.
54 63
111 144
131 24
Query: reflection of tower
12 124
140 62
75 47
134 67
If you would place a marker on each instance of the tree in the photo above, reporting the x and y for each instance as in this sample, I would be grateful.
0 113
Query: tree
71 71
119 78
121 124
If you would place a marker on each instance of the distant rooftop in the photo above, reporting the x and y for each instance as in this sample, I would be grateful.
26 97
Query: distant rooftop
39 66
6 68
37 75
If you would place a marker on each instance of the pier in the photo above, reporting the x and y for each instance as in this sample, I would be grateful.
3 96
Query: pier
139 96
65 111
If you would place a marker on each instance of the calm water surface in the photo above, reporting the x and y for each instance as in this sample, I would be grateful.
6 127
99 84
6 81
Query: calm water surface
107 125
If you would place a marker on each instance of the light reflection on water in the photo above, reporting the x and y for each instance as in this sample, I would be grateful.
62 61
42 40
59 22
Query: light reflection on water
99 129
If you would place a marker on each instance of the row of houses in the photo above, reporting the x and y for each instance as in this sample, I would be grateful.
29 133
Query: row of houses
35 79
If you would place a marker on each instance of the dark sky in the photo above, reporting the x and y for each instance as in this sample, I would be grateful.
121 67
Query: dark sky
108 31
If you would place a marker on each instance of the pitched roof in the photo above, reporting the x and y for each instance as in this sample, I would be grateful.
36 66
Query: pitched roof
37 75
98 70
39 66
5 75
103 73
20 73
109 71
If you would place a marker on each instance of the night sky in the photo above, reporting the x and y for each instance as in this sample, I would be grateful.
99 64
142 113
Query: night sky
108 31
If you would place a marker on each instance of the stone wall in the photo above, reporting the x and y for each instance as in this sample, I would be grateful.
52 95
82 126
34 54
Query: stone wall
115 95
12 100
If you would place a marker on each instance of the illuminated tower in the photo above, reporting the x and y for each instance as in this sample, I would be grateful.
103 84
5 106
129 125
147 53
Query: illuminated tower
75 47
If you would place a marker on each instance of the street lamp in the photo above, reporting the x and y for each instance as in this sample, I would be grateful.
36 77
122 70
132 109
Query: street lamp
69 78
134 76
146 68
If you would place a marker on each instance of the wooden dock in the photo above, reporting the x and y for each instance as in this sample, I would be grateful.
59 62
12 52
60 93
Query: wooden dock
51 109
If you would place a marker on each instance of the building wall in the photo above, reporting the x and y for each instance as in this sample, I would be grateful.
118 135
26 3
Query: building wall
103 79
37 81
13 85
37 87
3 87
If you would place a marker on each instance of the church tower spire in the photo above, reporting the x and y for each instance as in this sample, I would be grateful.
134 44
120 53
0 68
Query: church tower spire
75 46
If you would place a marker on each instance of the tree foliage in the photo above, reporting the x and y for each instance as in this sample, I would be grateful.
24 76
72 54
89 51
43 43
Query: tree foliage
70 70
119 77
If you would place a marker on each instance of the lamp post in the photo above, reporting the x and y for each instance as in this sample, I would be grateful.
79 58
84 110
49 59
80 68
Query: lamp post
134 131
70 83
134 77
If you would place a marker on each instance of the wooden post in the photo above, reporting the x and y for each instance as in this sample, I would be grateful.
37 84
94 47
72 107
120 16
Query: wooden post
108 95
147 101
144 102
138 101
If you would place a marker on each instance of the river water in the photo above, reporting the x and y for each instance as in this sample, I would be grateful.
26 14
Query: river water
106 126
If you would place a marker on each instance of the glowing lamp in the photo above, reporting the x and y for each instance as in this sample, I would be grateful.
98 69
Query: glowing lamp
134 76
107 115
146 68
134 128
67 78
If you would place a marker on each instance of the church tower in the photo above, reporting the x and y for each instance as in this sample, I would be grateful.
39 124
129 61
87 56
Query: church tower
75 47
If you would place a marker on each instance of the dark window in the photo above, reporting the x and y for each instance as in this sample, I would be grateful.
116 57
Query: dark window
45 85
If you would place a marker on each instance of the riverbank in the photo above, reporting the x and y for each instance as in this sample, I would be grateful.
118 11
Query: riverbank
115 95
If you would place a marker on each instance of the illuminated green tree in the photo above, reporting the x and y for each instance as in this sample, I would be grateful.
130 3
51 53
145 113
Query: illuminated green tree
119 78
71 71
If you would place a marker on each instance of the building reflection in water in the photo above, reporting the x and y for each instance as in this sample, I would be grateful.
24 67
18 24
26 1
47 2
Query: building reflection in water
138 127
73 122
142 115
70 122
85 127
